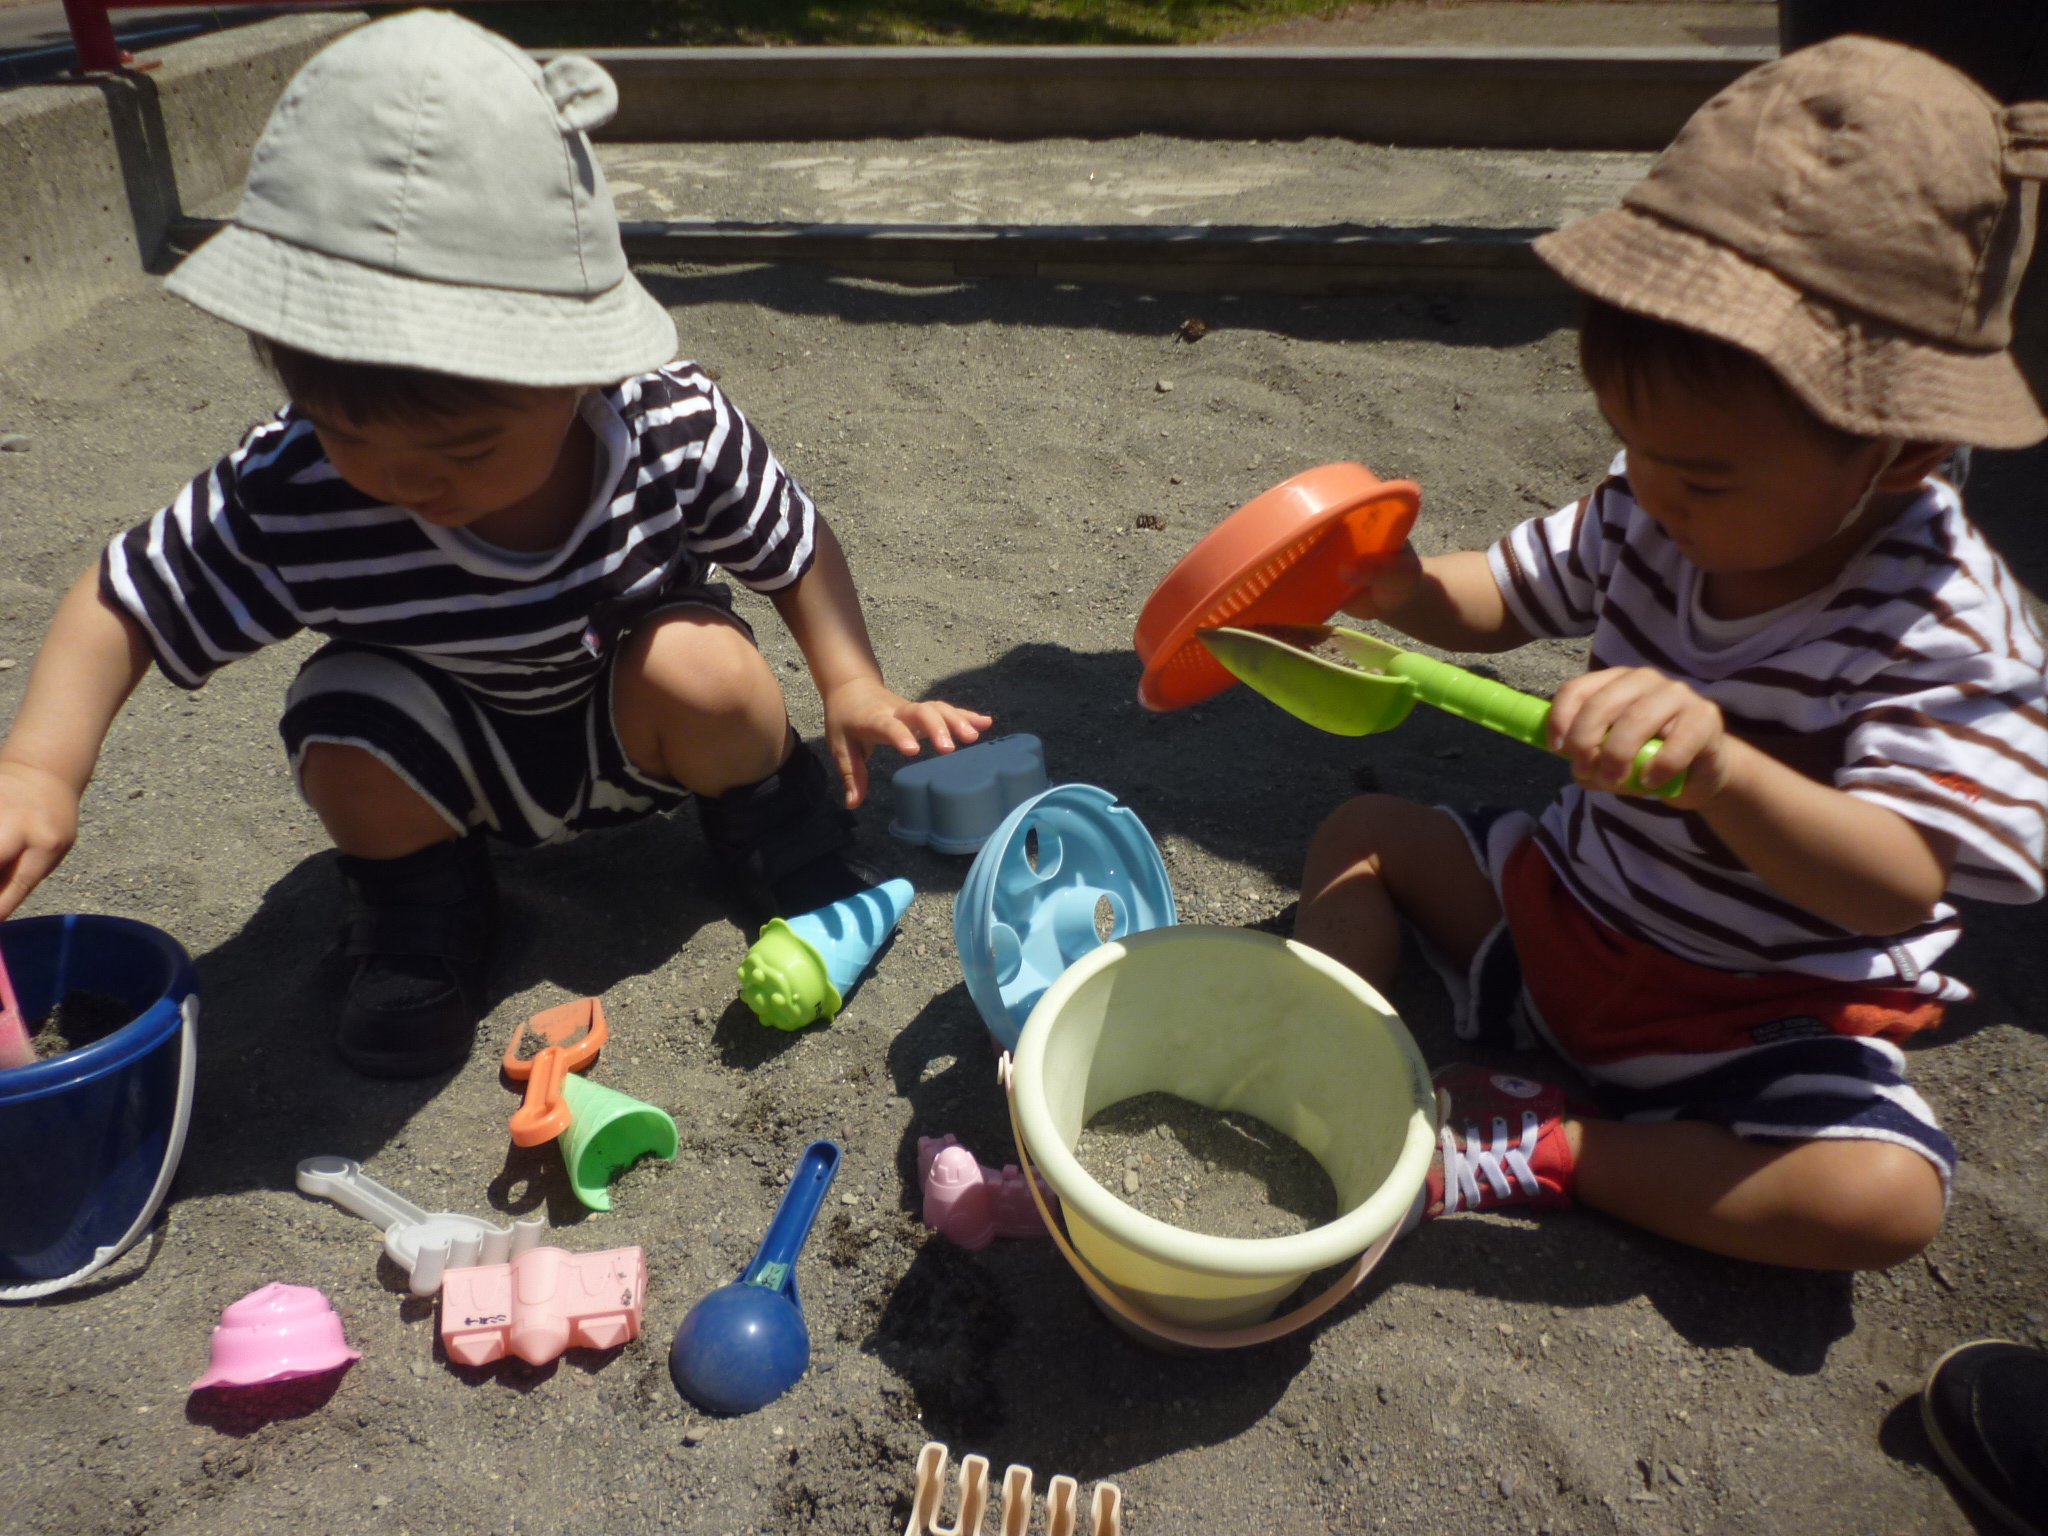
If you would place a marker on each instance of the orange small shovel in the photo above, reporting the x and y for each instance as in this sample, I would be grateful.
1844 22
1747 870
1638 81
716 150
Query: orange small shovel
547 1048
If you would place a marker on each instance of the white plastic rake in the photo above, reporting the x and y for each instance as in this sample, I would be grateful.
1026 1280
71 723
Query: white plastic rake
1062 1500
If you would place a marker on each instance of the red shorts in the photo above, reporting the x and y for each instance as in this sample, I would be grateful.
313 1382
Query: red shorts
1604 997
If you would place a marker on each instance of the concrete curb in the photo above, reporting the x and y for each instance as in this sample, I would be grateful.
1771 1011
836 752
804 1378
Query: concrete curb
1332 259
97 172
1329 260
1514 98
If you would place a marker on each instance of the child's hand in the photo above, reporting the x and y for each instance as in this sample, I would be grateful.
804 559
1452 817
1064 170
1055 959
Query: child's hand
38 825
864 713
1391 584
1600 720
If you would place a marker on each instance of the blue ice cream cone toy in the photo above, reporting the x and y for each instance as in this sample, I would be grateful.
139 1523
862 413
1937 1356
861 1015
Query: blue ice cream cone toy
800 971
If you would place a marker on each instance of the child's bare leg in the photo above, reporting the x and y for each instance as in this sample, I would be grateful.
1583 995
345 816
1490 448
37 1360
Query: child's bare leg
1825 1204
367 809
1379 859
412 1005
695 702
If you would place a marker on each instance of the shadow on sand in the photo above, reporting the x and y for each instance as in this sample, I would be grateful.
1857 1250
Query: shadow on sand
1232 781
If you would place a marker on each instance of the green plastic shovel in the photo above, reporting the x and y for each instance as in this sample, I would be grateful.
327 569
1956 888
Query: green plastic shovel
1377 684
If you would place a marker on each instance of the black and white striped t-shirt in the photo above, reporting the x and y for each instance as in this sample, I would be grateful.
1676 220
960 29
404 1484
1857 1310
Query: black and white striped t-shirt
1914 680
271 540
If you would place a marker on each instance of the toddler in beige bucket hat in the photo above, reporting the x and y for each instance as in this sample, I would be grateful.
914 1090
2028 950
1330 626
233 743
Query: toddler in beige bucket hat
502 503
1792 321
1858 215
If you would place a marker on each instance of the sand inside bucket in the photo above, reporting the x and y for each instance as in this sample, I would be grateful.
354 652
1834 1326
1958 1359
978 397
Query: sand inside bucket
1214 1172
77 1021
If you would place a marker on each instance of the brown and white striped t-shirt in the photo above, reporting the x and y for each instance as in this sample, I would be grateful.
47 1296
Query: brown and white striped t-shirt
1914 680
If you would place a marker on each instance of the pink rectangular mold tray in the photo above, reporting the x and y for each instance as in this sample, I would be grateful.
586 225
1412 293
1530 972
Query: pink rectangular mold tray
544 1301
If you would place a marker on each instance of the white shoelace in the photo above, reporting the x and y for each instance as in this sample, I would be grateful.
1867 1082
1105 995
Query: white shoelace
1464 1166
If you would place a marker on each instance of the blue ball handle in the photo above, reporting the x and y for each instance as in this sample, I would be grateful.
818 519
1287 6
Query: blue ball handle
774 1263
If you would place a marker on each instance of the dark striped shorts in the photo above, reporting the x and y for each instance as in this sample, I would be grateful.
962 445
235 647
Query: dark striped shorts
1796 1080
529 778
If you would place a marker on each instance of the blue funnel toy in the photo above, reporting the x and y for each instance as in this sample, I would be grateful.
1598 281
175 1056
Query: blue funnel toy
800 971
745 1344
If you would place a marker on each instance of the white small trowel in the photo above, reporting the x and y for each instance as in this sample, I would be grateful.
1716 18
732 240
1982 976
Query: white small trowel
422 1245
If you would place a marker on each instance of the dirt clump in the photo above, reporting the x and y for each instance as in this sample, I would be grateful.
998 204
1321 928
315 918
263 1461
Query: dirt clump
79 1019
1216 1172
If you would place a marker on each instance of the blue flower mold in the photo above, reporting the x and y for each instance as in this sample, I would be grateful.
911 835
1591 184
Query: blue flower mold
951 803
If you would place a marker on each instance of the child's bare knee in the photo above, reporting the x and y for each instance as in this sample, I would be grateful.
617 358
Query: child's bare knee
1887 1206
368 808
1362 828
700 662
1385 834
335 768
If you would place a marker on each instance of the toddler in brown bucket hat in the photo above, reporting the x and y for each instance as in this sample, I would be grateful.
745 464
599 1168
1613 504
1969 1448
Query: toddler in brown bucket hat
1793 321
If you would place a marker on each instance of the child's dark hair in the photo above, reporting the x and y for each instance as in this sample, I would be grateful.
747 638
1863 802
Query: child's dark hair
373 392
1620 349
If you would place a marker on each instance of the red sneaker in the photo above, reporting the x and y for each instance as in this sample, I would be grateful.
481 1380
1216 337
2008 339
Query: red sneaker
1503 1142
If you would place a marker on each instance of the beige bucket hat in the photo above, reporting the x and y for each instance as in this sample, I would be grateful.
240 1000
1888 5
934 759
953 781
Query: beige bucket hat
1858 215
425 195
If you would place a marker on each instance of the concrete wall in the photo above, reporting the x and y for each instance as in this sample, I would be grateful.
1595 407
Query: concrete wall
1519 98
96 177
93 174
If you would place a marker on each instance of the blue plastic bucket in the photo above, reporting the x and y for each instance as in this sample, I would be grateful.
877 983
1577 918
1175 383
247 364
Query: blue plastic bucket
89 1140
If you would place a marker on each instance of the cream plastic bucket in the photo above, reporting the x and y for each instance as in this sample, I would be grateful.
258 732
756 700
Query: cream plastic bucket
1231 1020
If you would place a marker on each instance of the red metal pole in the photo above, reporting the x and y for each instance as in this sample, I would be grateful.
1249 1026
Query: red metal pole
93 35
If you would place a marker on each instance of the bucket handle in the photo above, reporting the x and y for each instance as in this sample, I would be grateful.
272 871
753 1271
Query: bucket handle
1193 1338
174 1149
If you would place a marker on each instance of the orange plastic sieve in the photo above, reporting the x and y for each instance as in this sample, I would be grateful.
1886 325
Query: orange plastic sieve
1293 555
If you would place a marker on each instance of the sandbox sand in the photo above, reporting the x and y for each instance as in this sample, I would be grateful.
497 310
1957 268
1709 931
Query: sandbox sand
984 451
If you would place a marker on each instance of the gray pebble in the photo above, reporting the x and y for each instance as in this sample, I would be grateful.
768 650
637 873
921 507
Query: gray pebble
1130 1181
14 442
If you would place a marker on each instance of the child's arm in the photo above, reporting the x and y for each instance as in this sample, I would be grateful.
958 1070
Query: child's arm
822 610
90 661
1838 855
1449 601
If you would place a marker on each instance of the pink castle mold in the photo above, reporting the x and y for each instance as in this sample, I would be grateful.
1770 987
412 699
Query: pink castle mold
972 1203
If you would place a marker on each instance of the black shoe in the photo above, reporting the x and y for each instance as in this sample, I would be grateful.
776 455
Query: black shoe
784 844
1985 1406
421 929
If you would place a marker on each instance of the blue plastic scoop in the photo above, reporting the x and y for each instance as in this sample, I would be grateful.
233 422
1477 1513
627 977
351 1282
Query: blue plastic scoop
745 1344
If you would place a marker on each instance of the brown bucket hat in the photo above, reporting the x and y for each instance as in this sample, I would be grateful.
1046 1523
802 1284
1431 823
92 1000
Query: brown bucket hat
1857 214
